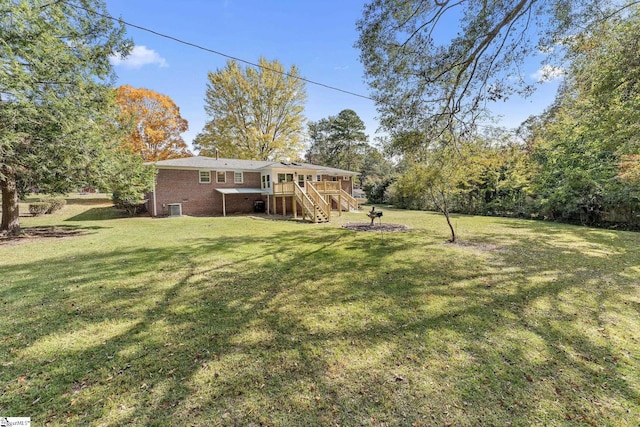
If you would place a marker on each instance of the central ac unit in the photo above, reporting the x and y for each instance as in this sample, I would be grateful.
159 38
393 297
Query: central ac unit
175 209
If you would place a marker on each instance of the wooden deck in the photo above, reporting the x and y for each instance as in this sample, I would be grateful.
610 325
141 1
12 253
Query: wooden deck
316 199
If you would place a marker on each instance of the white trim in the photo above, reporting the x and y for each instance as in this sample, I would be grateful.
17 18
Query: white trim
265 181
200 172
225 177
241 191
224 205
235 181
155 213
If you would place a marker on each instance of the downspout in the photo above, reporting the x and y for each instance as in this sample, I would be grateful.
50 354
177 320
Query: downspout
155 213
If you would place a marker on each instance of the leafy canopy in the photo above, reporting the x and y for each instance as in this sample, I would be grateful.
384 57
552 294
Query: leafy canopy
586 145
255 113
425 77
338 141
55 96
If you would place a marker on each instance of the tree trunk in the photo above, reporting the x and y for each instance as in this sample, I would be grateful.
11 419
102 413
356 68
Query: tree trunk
444 208
10 208
453 233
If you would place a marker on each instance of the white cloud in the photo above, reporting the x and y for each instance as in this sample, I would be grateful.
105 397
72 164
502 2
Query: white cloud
548 73
139 57
341 68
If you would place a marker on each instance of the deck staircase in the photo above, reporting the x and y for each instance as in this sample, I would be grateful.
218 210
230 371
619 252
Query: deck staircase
313 205
346 201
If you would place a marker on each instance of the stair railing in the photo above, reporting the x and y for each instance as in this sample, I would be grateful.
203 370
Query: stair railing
319 201
307 204
350 200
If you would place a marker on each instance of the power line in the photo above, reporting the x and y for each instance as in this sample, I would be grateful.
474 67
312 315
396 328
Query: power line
206 49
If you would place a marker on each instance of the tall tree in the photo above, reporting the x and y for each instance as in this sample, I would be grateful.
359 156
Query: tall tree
54 95
424 79
582 145
255 113
155 123
374 165
338 141
320 150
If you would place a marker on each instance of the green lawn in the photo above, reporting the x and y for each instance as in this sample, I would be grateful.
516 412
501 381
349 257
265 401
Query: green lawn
253 321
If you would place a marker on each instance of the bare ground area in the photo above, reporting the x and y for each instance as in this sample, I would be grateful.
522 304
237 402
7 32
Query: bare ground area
40 233
382 227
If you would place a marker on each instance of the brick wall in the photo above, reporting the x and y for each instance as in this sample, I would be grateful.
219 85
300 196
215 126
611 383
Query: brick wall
288 201
183 186
346 186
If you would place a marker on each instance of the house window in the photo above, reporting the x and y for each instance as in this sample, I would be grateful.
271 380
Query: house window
205 177
285 177
318 178
221 177
309 177
238 178
266 181
334 178
301 180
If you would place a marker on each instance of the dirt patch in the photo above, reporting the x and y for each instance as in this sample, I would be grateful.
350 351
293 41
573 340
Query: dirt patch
376 227
40 233
485 247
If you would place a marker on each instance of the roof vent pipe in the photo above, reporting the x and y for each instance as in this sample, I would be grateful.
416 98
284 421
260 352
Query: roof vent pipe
217 153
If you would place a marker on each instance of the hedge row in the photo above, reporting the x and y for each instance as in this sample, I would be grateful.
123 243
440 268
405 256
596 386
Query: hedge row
46 205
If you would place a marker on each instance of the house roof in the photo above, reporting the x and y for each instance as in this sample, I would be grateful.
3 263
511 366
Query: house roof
202 162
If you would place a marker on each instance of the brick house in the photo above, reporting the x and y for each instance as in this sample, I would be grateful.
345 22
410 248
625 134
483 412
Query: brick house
209 186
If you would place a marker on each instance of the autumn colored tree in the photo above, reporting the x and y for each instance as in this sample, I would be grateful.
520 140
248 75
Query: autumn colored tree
256 113
629 169
155 123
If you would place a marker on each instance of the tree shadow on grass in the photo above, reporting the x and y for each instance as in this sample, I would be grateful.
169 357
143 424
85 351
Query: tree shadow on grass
98 214
47 231
88 200
316 327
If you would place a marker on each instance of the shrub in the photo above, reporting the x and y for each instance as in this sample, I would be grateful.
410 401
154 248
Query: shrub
56 203
376 189
129 201
39 208
131 180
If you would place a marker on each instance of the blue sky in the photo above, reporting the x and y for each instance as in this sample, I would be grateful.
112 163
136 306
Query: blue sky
317 36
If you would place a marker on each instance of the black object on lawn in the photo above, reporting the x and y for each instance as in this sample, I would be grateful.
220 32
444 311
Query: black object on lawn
373 214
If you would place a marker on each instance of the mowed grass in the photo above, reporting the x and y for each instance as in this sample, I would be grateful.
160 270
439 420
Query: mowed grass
252 321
